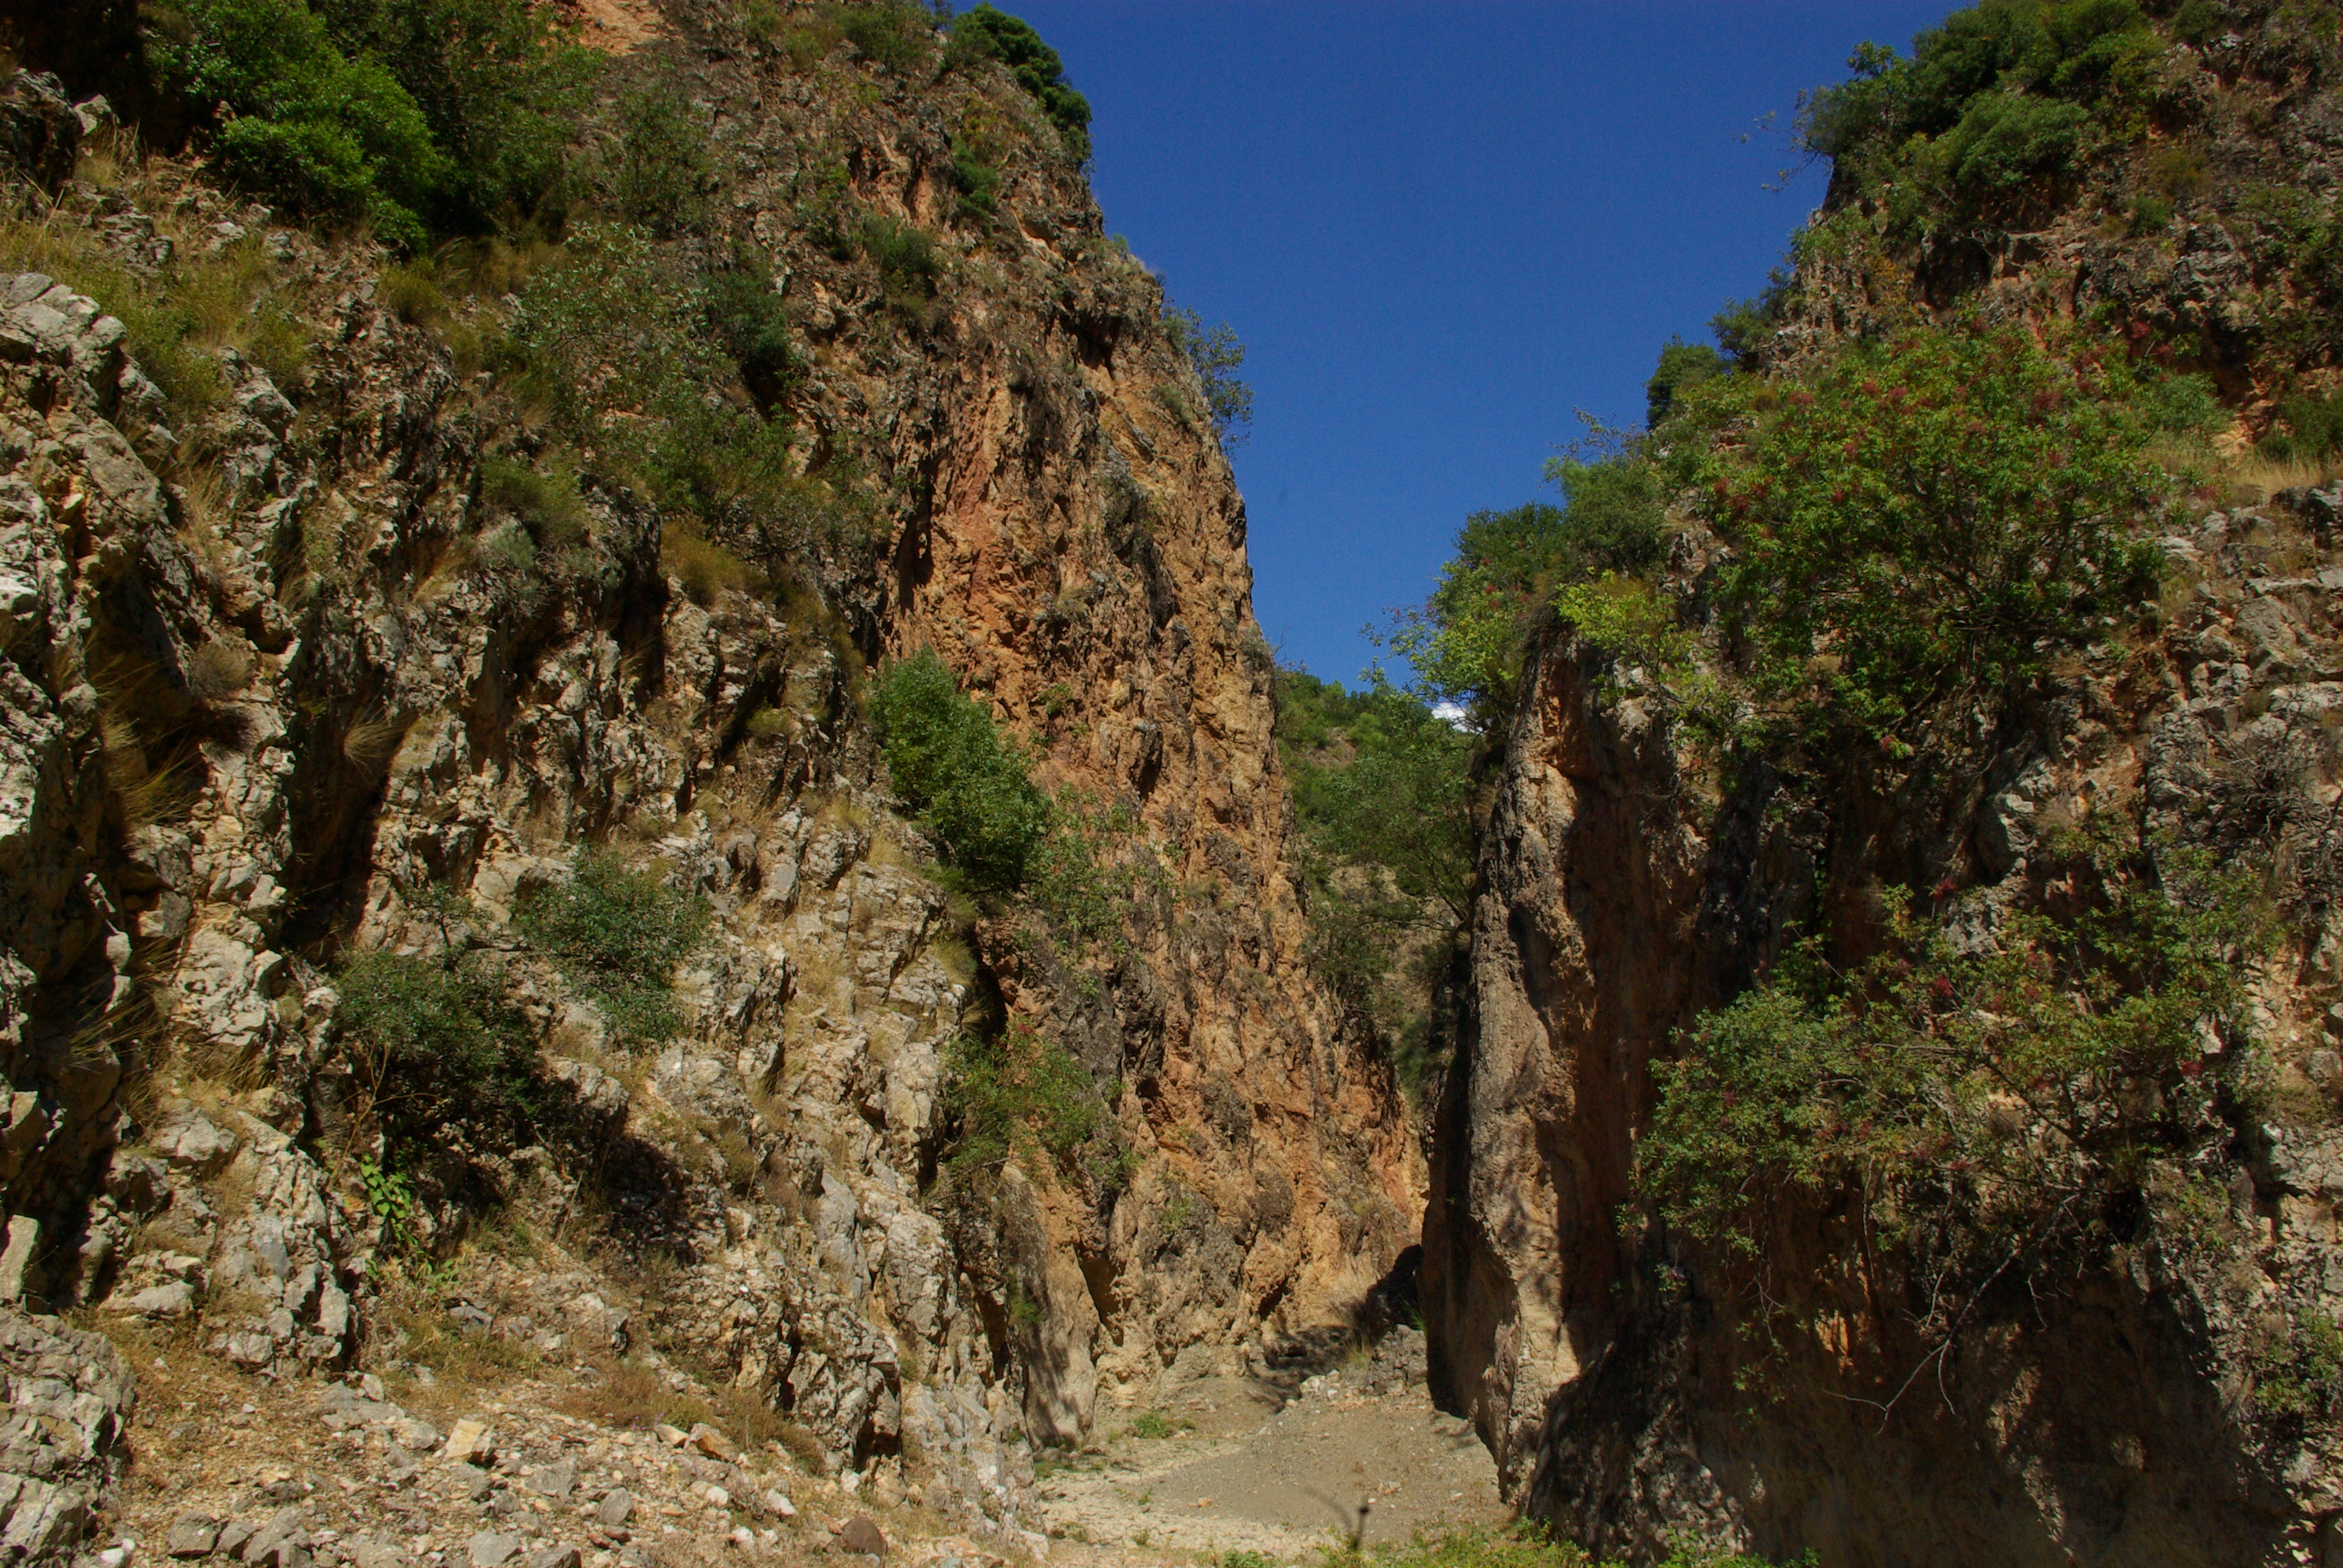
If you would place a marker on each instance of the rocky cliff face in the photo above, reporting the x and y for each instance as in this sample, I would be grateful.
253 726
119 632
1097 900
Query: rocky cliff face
2108 1415
273 695
2114 1408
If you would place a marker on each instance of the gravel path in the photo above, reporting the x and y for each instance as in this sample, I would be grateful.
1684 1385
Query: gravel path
1282 1475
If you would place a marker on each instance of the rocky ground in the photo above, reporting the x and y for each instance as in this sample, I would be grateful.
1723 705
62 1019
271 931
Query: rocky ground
1282 1464
547 1468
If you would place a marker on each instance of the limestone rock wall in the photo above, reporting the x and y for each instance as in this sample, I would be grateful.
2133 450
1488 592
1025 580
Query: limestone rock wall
2106 1416
261 684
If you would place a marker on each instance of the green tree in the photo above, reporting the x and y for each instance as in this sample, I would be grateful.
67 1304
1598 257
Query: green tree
1382 793
659 169
1402 801
1681 365
1216 352
985 31
1466 642
1994 102
2005 1089
953 766
1921 522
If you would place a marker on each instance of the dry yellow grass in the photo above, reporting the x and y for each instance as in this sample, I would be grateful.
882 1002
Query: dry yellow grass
2267 475
705 568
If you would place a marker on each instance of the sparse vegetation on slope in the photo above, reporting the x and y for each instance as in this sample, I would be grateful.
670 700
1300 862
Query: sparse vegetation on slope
1383 792
617 934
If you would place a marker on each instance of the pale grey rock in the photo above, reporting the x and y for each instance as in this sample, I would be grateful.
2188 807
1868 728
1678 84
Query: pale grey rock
193 1143
373 1551
171 1300
192 1535
491 1549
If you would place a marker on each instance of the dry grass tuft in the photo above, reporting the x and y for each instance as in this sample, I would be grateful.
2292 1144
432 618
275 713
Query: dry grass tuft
2259 472
371 743
218 670
705 568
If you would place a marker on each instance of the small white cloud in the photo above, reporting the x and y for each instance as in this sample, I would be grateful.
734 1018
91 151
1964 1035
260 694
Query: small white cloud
1454 711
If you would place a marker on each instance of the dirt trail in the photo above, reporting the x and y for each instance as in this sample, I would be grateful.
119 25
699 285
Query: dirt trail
1282 1467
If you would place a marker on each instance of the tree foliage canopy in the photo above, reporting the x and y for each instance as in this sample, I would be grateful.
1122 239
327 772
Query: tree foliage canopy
1036 67
1921 520
967 781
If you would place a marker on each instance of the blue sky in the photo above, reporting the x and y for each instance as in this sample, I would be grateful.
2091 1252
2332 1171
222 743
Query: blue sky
1440 229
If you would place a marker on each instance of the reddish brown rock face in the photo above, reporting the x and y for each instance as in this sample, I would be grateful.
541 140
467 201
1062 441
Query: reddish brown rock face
392 701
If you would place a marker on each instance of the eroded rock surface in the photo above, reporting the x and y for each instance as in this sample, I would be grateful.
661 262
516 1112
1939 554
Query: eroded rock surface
272 694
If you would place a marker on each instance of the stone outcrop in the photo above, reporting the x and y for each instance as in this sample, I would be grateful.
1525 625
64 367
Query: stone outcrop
1585 951
2108 1408
68 1395
267 699
2108 1417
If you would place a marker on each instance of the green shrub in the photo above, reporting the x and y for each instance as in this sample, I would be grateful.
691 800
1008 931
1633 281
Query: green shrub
1313 713
658 170
1524 1545
1020 1089
2199 22
985 31
979 182
1216 354
549 505
2180 174
955 769
809 42
1970 1098
895 37
2007 145
2150 214
410 290
906 258
706 569
1150 1425
2181 404
408 116
433 1041
614 343
317 132
1174 400
502 84
822 211
1681 365
1920 523
617 935
2296 1362
749 319
2307 429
